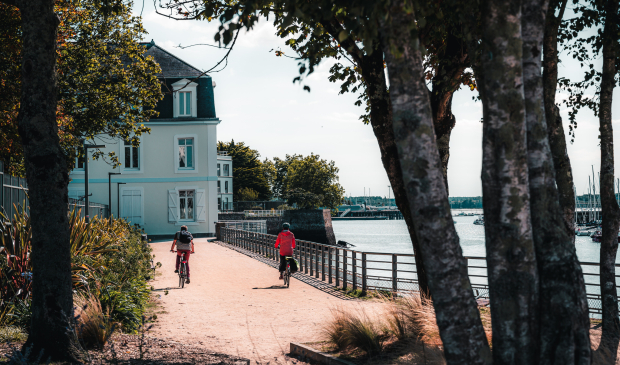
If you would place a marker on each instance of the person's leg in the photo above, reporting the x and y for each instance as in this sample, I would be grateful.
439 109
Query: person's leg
178 262
187 253
282 265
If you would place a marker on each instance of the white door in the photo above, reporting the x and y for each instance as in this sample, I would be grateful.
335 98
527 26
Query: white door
131 206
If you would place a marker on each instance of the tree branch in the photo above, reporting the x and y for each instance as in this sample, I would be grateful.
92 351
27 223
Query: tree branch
333 27
10 2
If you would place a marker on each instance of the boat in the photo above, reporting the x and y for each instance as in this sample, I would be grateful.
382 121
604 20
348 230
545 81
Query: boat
585 232
479 221
598 236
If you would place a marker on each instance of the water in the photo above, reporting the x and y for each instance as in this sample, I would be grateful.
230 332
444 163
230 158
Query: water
391 236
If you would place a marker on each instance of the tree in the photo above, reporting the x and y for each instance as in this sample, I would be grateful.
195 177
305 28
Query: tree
46 129
309 182
604 16
247 195
248 170
106 84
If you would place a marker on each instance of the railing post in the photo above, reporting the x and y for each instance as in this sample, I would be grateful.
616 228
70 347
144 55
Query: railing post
337 267
354 269
394 273
310 247
329 264
364 273
322 263
316 262
305 257
344 269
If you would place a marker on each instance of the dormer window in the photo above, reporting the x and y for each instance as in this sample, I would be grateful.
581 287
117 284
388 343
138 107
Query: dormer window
184 99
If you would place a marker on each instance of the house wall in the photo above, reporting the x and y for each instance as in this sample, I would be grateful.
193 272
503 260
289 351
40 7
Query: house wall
158 175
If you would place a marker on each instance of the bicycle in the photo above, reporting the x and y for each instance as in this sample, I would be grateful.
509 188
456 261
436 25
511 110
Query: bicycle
287 274
182 271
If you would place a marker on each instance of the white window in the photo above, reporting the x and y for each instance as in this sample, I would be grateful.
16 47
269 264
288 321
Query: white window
218 169
226 187
132 156
185 103
219 203
186 153
132 205
219 189
226 173
186 204
184 99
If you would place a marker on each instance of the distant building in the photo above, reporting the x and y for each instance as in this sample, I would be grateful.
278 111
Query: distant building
375 201
224 181
171 178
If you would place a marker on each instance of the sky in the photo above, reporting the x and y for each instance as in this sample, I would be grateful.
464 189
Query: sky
258 104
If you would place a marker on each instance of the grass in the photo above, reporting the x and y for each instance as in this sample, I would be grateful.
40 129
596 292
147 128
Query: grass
94 327
406 329
12 334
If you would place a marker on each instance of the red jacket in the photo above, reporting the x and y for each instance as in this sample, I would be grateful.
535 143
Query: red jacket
286 241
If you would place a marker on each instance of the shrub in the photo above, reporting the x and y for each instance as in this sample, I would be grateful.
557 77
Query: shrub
355 329
12 334
94 327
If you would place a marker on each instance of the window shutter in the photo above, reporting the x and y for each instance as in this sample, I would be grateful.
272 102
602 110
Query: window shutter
201 211
173 205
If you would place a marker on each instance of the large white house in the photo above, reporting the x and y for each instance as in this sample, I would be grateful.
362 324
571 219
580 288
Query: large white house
224 181
171 179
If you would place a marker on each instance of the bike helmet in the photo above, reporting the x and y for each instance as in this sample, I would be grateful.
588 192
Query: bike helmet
285 225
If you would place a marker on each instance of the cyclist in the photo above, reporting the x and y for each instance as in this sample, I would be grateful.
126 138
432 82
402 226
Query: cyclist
184 244
286 241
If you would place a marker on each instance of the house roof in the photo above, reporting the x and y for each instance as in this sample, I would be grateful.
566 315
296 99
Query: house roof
171 65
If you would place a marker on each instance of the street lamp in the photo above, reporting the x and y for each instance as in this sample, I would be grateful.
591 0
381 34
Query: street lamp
86 147
110 190
118 199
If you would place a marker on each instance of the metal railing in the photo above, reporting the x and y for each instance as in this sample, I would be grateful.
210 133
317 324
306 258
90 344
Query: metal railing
13 192
263 213
390 272
95 209
248 226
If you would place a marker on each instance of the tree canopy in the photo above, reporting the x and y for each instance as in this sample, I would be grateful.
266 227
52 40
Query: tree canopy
248 171
309 182
106 85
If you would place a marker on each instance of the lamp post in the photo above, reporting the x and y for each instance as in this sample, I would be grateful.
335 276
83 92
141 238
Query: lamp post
118 199
87 203
110 190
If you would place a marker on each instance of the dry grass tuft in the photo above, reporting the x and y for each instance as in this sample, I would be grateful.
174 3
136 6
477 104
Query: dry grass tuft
94 327
413 316
355 329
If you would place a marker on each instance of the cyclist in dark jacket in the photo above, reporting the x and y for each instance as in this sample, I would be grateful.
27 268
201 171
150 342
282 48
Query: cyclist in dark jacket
183 248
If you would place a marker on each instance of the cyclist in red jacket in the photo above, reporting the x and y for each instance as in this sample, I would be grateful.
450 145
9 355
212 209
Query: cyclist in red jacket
286 241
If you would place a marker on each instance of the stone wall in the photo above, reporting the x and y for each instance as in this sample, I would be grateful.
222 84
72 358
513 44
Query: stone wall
311 225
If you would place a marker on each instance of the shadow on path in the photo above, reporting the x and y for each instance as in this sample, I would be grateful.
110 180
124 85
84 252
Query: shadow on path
313 282
273 287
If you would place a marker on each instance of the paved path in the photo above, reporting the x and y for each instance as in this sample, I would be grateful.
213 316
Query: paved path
235 304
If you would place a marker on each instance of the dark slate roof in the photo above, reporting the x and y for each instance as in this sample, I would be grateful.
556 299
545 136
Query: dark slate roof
171 65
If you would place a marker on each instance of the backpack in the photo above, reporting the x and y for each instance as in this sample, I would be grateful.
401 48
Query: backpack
293 264
185 237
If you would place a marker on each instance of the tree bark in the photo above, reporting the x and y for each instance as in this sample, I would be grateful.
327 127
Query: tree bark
563 308
381 121
47 182
555 129
445 82
609 206
455 306
511 260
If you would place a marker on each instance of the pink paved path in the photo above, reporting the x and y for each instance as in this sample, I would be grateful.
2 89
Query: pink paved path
236 305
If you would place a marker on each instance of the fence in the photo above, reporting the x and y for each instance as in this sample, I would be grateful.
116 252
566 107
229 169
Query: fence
14 191
249 226
95 209
263 213
365 271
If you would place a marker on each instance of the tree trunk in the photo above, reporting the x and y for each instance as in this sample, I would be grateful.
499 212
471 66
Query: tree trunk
609 206
555 129
563 308
511 260
46 172
452 64
381 121
457 314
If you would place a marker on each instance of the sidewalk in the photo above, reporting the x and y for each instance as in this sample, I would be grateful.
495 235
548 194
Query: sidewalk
236 305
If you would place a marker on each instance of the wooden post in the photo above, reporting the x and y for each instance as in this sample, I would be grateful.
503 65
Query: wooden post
344 269
329 264
354 269
363 273
394 273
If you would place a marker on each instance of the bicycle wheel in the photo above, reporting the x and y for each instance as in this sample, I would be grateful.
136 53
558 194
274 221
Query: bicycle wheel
182 275
288 277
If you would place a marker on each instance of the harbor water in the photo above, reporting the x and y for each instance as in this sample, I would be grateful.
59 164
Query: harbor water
391 236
